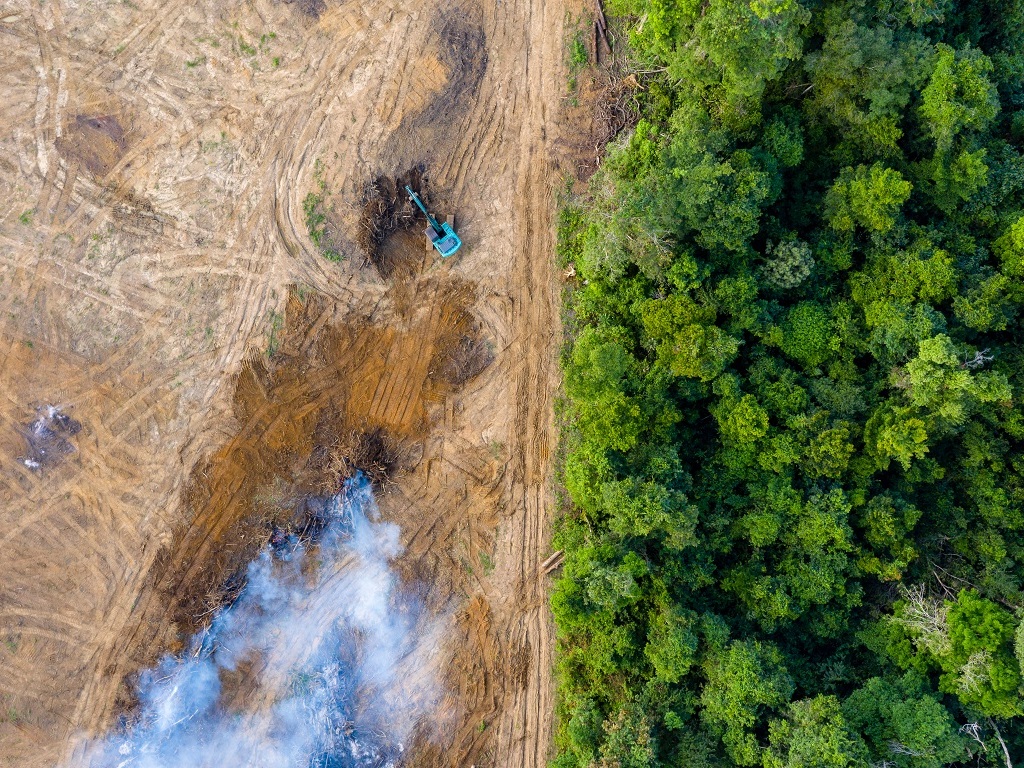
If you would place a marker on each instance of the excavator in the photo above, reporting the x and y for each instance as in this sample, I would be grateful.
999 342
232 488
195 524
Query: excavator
441 236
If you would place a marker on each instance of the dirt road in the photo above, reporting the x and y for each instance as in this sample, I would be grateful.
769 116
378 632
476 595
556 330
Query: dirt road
153 173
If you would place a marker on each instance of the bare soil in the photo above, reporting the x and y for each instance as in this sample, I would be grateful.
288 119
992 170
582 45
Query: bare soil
158 285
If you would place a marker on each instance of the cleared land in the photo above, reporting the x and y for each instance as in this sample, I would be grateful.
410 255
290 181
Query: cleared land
152 177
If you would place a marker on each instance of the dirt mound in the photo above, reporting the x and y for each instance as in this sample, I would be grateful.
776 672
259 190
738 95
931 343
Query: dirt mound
457 53
98 142
464 360
312 8
462 44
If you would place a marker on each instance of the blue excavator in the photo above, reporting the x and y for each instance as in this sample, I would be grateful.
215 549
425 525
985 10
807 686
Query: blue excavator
441 236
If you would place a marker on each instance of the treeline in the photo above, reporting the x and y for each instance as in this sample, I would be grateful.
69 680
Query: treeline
793 429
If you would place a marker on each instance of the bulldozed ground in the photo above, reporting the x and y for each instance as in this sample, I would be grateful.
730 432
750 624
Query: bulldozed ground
209 367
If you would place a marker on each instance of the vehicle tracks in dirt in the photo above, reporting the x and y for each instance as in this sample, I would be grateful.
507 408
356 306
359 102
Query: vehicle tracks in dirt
135 288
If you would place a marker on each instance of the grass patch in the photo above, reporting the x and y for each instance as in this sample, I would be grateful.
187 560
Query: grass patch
276 324
315 211
487 563
245 48
579 57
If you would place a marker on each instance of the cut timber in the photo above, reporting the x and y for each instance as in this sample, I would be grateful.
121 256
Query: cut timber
553 562
600 28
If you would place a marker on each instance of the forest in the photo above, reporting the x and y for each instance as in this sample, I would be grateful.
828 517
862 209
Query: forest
791 429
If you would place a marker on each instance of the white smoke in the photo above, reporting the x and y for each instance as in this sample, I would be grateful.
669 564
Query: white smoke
335 661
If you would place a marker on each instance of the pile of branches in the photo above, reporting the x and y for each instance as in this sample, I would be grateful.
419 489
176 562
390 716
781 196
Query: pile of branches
616 107
466 360
386 209
373 452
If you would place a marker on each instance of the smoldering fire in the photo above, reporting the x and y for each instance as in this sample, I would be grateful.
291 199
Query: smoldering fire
337 658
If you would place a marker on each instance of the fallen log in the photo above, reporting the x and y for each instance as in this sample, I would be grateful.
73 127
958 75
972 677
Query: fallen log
552 562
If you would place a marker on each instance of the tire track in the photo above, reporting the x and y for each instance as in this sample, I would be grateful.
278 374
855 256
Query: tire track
109 337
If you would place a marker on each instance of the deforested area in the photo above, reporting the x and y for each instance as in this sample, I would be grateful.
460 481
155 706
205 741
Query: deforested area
274 462
793 375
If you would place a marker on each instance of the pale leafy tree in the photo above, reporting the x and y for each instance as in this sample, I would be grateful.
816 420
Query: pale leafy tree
895 432
959 97
813 735
806 331
671 644
943 387
598 382
629 743
868 197
957 179
787 264
689 343
1010 249
734 47
743 681
862 79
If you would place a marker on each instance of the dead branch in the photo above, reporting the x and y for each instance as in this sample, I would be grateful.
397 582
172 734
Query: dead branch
601 25
898 748
1006 752
946 590
974 731
978 361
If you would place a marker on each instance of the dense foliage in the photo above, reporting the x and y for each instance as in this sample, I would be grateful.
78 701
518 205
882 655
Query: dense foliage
792 427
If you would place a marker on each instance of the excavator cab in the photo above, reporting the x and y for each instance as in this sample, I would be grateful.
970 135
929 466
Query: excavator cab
441 236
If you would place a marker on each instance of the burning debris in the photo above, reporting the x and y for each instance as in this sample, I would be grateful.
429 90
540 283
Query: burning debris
376 454
48 437
373 452
332 656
